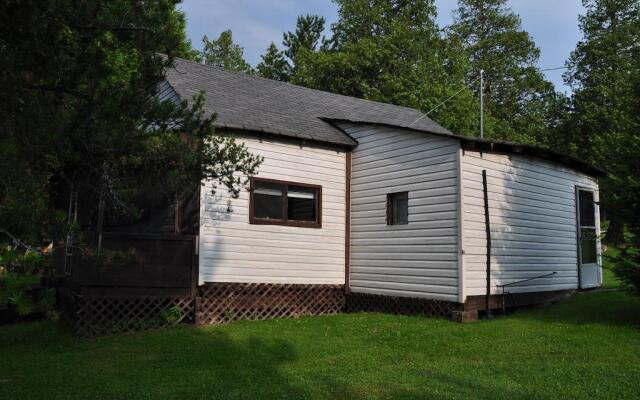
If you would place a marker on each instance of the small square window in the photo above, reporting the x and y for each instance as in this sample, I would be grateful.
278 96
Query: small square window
398 208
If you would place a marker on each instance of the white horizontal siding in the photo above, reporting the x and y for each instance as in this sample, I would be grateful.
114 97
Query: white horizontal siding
166 93
232 250
415 260
533 222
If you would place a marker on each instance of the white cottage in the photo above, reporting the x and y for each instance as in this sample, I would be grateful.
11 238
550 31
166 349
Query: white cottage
386 205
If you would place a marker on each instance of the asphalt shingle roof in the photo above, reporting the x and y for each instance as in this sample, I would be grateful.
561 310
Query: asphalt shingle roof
252 103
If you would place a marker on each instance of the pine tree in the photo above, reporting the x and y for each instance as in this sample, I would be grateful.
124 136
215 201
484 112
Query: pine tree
516 93
274 65
307 37
223 52
79 112
604 128
390 53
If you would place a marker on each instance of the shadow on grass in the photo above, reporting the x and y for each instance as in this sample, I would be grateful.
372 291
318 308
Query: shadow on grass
432 384
237 367
356 359
44 361
606 308
470 387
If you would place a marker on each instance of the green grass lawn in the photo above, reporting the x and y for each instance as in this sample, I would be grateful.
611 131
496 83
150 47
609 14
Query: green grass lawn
586 347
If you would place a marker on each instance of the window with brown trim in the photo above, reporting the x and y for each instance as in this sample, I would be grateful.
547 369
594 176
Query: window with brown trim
285 203
398 208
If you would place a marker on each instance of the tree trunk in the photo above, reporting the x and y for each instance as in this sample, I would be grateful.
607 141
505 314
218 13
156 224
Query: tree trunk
615 232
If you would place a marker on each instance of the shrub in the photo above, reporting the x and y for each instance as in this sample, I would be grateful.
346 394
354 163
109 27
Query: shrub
172 315
628 269
21 276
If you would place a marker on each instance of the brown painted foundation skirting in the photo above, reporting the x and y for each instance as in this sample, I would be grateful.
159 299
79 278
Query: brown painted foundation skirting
512 300
360 302
223 302
92 314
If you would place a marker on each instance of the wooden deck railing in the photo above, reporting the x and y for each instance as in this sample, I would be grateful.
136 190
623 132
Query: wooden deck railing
136 264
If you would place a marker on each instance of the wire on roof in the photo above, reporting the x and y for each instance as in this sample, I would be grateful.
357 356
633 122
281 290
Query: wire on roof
441 103
458 92
553 69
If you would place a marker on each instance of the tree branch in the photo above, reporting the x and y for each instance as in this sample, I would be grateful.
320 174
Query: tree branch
58 89
134 28
19 242
6 190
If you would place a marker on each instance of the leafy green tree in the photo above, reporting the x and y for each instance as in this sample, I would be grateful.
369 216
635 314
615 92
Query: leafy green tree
604 126
307 37
79 113
274 65
391 52
223 52
517 94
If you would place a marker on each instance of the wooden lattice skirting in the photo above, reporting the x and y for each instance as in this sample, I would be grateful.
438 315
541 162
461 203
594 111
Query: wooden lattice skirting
94 316
217 303
222 302
360 302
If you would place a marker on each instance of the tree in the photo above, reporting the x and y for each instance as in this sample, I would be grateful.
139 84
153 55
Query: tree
79 113
516 93
307 37
604 126
390 52
274 65
222 52
79 107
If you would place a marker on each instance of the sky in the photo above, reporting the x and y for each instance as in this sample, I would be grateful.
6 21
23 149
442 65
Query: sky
553 24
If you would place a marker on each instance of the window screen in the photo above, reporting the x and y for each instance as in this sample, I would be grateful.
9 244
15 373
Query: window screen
587 210
267 200
398 208
301 204
587 227
588 246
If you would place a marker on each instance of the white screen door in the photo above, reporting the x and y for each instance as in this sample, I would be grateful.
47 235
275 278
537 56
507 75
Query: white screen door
588 242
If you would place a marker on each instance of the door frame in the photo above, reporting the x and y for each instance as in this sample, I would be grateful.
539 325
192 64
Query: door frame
596 211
